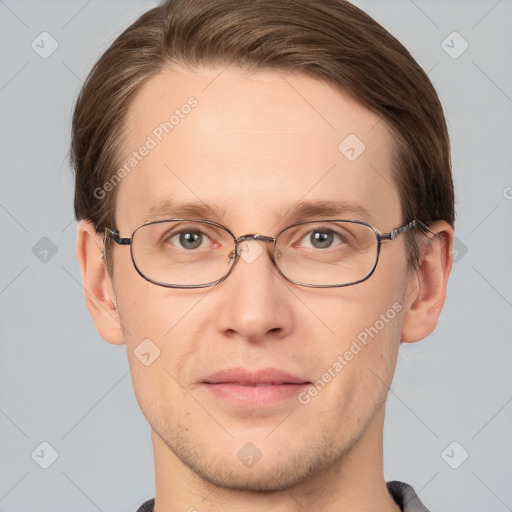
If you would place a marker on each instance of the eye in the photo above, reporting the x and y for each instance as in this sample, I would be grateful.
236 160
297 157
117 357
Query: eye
188 239
320 238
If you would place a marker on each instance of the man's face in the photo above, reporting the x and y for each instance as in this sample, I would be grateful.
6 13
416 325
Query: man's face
253 146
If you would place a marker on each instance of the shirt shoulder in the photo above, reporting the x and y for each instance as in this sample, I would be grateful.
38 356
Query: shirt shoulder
406 497
402 493
147 506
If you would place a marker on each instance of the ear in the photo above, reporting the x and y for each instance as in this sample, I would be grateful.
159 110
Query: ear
98 288
427 285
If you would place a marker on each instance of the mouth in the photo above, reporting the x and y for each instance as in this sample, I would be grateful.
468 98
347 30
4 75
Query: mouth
254 389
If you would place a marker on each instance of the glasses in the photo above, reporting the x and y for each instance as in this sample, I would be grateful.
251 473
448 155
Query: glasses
180 253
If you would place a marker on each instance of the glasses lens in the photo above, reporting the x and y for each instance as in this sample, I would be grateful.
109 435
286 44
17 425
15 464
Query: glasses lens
327 253
183 253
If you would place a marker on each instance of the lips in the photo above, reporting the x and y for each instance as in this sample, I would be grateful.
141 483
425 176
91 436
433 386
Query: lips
258 378
265 389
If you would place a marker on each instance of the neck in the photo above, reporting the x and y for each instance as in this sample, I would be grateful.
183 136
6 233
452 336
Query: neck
355 483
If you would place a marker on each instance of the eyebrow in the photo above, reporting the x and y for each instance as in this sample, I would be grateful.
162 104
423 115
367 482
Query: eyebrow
324 208
301 210
170 208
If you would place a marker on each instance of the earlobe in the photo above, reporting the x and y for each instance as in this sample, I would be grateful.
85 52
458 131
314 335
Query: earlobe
426 291
98 289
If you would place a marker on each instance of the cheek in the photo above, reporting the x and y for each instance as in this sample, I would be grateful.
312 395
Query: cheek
147 310
158 334
354 376
364 326
360 312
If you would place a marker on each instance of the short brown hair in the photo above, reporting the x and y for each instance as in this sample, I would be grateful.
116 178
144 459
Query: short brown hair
330 40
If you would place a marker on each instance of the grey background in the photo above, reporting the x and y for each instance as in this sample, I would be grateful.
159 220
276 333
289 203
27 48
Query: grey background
61 384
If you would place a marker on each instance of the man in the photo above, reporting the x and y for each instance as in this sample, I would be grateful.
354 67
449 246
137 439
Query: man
266 207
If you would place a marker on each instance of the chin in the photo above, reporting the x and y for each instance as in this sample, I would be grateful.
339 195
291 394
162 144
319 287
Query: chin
263 477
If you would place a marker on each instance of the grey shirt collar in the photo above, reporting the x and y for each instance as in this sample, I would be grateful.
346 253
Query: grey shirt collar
402 493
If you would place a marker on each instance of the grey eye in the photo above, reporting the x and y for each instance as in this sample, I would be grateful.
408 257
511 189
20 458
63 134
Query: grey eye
190 239
321 239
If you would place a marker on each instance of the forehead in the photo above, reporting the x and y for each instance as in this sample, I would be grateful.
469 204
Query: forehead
247 146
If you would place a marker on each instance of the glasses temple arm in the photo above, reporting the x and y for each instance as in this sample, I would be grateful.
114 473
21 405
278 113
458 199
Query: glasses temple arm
114 235
413 224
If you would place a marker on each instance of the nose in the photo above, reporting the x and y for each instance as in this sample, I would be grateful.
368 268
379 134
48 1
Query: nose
254 302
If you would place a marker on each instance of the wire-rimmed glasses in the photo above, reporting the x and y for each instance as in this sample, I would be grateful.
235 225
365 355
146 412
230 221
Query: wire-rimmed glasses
181 253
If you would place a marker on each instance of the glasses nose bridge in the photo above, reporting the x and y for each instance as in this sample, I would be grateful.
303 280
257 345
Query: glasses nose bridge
254 236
